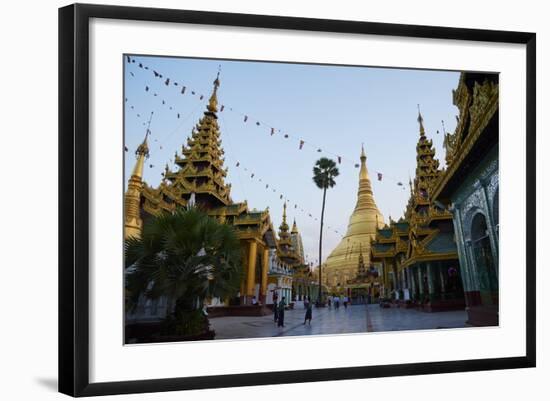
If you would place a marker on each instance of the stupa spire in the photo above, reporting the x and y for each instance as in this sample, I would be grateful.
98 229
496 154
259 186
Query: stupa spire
420 120
213 101
294 227
142 152
132 215
363 223
365 198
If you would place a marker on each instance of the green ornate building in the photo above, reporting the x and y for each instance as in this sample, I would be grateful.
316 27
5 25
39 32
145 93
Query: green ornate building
470 188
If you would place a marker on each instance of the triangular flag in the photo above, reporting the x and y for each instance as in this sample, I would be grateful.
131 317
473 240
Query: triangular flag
221 108
379 176
183 90
146 89
272 131
339 159
167 82
301 144
245 118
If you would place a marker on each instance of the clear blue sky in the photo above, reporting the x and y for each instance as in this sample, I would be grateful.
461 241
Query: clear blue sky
334 108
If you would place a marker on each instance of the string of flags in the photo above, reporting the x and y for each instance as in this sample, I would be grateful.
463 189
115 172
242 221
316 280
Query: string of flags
272 130
168 82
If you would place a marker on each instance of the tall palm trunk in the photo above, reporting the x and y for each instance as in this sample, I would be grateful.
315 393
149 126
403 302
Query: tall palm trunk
320 298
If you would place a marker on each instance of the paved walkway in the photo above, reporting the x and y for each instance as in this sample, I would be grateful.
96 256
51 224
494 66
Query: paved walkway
354 319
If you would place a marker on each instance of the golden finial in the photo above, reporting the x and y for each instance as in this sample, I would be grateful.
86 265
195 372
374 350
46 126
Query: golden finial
143 148
420 120
363 174
213 102
294 227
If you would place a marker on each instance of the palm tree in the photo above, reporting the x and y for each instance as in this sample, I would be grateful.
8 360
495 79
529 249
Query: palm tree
324 172
186 256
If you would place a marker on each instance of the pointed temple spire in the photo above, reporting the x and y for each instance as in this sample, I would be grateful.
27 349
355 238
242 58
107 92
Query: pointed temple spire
427 166
284 226
365 198
420 120
363 222
132 216
213 101
294 227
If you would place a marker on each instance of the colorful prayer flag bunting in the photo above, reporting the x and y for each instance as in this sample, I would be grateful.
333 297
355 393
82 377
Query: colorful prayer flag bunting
301 144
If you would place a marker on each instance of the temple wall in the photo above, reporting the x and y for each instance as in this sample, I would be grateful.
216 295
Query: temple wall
474 200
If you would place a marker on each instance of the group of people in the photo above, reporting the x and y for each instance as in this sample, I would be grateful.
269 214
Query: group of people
280 306
335 300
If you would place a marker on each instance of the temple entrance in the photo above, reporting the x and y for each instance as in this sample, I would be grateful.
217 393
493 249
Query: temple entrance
484 262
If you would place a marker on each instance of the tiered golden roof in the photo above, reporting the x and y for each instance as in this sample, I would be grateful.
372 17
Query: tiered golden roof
426 231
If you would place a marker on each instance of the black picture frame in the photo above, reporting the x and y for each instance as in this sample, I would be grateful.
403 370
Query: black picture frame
74 198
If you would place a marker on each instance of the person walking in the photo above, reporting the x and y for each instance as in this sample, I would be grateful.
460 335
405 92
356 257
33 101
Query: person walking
346 300
281 313
330 301
309 313
336 300
275 307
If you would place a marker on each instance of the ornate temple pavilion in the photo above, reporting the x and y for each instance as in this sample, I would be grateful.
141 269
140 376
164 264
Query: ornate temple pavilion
200 180
342 264
418 253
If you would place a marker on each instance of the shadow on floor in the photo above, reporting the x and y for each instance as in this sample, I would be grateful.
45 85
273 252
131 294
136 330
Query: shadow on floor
48 382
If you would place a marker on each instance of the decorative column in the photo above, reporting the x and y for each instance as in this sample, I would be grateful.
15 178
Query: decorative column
412 281
420 282
251 276
482 185
430 273
466 267
265 268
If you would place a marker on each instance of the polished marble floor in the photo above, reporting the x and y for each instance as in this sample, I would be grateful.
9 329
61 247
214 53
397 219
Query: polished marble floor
354 319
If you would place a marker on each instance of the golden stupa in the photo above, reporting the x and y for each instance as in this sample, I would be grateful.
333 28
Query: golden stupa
342 263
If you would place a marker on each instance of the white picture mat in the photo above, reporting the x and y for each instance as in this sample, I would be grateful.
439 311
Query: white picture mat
111 361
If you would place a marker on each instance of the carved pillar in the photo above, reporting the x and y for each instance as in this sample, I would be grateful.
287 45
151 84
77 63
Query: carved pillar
251 273
265 268
420 282
466 268
430 275
482 185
